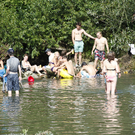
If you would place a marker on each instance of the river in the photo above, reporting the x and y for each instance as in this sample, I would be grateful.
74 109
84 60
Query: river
75 107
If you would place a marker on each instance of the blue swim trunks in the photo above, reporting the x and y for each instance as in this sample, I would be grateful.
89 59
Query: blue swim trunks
78 46
12 82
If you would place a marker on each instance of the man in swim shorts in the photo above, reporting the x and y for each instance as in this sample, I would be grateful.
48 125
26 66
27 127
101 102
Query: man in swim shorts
99 49
87 71
66 70
78 42
13 65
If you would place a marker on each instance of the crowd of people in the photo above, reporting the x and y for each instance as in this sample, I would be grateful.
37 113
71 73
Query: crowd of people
64 68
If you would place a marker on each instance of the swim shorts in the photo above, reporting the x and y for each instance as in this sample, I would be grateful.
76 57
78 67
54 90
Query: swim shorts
12 82
84 74
78 46
64 73
99 54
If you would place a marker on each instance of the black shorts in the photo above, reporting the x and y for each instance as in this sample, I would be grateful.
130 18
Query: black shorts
12 82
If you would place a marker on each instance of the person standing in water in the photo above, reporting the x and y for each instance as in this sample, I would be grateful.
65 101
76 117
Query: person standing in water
111 69
13 65
99 49
78 42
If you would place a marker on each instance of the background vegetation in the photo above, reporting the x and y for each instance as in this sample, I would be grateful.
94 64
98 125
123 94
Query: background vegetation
30 26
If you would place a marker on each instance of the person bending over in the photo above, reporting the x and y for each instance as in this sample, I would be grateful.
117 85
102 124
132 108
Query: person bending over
99 49
87 71
111 69
66 70
26 66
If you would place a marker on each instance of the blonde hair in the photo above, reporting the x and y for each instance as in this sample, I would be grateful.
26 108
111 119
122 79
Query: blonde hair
99 32
56 53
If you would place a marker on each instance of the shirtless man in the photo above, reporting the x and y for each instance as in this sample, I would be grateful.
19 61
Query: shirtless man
77 41
66 70
87 71
99 47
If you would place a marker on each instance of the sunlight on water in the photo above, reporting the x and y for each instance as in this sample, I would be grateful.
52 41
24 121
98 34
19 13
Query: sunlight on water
65 106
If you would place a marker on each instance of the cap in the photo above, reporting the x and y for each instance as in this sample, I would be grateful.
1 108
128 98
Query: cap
47 50
10 50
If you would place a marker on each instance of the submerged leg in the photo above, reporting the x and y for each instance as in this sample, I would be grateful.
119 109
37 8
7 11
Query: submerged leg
10 93
108 85
113 87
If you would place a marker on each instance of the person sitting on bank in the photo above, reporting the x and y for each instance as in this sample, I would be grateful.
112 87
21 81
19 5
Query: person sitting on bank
13 65
55 62
87 71
26 66
66 70
50 58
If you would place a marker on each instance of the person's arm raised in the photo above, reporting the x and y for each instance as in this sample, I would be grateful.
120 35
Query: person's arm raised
107 47
88 35
73 37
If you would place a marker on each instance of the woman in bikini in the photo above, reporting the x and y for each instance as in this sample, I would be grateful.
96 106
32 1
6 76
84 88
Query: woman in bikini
27 66
55 62
111 69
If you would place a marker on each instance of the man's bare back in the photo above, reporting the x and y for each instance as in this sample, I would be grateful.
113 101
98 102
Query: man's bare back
90 69
70 68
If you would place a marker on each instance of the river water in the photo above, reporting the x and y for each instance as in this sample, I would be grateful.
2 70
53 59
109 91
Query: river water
75 107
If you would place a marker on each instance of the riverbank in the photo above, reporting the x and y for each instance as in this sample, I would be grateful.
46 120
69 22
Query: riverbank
127 64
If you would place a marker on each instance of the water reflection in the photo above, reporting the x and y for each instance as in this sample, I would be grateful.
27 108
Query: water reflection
10 112
78 106
111 113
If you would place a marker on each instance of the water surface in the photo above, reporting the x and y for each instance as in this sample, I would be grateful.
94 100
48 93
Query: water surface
78 106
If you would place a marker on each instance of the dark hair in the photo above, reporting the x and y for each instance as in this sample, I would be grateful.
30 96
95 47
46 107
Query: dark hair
63 53
78 23
25 55
64 57
83 64
110 56
10 51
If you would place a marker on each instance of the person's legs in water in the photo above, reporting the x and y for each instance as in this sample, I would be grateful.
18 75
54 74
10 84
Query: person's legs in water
80 58
108 84
35 68
113 86
95 63
76 58
9 93
17 92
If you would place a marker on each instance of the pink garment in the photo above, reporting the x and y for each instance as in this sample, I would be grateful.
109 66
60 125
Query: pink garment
110 78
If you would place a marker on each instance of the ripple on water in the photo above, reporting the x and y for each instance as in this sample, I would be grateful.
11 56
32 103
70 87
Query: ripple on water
64 106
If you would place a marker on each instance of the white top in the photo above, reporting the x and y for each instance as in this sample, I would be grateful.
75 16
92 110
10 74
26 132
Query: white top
132 48
51 57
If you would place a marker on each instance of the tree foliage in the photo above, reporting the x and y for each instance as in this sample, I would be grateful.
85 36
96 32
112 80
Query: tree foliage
30 26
